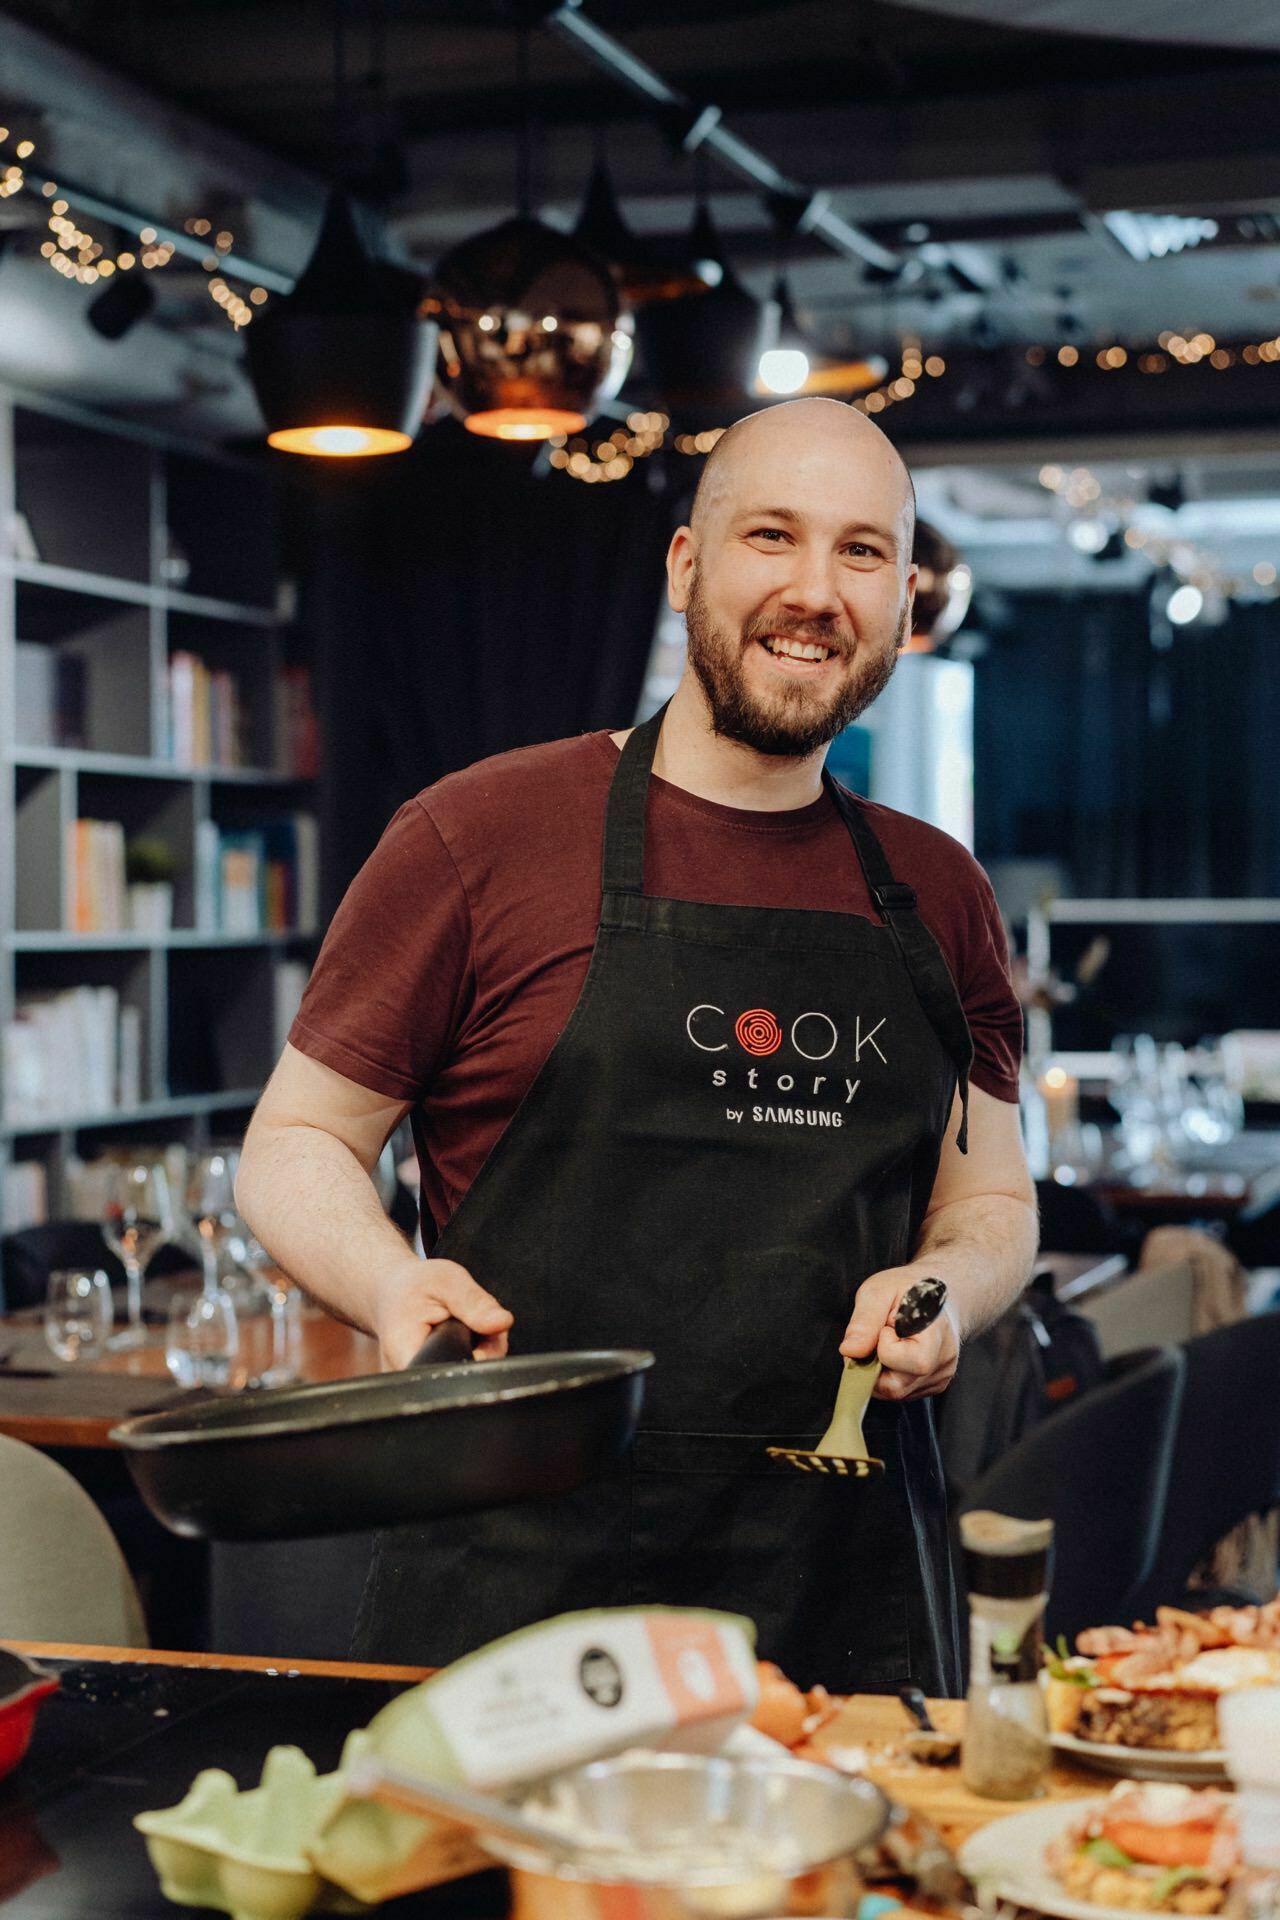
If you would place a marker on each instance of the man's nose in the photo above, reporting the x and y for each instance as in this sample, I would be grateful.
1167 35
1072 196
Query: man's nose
811 587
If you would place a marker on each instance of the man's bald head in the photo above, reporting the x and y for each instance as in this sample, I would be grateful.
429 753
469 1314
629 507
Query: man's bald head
761 443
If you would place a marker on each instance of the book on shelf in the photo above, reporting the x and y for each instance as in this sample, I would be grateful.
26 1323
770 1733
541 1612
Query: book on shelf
262 877
295 728
62 1055
95 899
206 718
25 1195
50 696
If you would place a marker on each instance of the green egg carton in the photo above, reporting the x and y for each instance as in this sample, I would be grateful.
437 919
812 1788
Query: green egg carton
245 1854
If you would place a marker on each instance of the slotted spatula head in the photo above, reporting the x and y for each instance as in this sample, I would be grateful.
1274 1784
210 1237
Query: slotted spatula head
842 1449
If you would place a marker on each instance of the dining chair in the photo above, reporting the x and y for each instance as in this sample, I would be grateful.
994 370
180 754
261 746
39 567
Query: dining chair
1226 1454
29 1256
62 1575
1099 1469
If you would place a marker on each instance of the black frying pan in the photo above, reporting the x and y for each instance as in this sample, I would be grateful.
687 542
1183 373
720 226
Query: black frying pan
445 1435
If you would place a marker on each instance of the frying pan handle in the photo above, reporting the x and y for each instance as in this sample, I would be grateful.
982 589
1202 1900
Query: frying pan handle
444 1345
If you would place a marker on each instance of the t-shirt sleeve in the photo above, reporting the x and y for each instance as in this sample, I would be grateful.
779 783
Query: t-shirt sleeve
395 974
990 1003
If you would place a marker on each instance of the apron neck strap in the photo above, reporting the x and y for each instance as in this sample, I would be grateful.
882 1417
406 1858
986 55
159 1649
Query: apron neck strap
920 952
623 869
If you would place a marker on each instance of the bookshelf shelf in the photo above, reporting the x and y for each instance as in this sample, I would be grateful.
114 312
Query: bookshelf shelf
137 593
141 605
134 766
146 1111
180 937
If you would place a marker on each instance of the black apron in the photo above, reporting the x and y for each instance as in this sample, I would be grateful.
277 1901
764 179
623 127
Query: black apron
740 1122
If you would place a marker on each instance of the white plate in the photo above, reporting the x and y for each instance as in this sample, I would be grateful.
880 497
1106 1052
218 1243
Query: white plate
1006 1861
1207 1767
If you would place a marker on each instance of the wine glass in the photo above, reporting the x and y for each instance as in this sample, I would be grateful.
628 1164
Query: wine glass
203 1338
285 1305
138 1220
211 1207
77 1313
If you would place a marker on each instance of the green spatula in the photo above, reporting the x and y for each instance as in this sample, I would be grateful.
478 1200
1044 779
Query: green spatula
842 1448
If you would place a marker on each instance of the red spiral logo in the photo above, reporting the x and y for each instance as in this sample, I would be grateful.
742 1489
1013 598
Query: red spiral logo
758 1031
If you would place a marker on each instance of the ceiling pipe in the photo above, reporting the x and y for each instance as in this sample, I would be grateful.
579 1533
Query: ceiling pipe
706 131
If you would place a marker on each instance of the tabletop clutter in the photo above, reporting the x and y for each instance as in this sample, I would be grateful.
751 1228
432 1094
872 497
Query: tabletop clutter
645 1752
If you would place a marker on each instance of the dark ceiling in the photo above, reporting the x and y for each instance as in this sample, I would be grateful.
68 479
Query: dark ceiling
984 157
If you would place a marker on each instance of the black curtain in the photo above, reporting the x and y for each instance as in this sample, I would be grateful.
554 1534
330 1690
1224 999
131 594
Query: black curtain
1146 772
461 604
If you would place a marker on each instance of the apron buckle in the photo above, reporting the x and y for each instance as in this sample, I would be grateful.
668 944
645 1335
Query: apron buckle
894 896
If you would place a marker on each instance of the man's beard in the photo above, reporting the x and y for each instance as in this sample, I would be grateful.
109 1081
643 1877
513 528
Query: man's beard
796 721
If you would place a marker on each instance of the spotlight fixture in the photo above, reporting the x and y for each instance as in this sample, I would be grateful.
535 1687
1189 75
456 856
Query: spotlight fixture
531 335
784 363
126 299
790 363
342 365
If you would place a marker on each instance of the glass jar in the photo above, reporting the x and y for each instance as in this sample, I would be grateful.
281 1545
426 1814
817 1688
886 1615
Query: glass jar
1005 1751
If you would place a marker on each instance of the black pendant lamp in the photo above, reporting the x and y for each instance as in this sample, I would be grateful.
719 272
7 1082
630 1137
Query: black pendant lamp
700 352
643 272
342 365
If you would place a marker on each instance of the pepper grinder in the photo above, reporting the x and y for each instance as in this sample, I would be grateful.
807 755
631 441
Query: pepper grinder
1005 1750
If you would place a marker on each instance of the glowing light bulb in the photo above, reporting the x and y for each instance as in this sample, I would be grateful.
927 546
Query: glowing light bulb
339 442
1186 603
783 370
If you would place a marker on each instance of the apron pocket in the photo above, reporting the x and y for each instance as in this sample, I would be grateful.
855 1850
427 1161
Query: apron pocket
824 1566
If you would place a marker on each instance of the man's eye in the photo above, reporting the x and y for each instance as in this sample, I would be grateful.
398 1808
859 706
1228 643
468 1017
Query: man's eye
767 533
858 551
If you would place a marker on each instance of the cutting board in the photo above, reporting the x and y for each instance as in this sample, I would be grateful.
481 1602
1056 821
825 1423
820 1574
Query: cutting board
878 1723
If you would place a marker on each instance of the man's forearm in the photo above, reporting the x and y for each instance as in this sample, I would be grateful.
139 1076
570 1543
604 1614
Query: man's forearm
984 1248
314 1208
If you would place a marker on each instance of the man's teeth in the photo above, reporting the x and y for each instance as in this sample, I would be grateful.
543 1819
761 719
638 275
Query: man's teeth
797 649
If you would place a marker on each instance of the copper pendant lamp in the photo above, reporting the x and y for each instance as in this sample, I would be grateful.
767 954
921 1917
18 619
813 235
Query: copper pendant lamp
343 364
531 336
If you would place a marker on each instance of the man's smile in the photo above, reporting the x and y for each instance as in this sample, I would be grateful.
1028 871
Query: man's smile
794 656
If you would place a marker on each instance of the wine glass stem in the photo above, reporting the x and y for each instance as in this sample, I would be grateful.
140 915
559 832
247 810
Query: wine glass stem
133 1291
209 1263
279 1328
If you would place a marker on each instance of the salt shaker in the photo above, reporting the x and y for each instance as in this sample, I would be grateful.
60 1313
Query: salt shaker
1005 1751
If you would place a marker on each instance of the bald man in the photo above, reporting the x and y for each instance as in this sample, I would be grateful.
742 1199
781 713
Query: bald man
704 1055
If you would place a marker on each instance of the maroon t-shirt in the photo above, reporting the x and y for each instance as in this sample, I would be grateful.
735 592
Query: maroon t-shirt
452 965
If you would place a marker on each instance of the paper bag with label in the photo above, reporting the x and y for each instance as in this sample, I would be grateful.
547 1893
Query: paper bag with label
540 1700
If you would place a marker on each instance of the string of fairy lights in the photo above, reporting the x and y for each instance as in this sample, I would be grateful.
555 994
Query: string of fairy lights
1098 516
583 457
75 253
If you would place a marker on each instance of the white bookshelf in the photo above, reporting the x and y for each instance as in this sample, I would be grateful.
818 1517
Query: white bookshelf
146 547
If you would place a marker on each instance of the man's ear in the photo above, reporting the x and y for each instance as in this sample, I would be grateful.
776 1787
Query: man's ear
681 557
913 575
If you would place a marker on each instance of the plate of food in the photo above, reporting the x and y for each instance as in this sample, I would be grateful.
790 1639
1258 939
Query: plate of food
1142 1701
1148 1846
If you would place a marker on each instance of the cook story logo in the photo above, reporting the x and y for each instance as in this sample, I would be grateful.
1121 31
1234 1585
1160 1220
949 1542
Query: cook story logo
811 1099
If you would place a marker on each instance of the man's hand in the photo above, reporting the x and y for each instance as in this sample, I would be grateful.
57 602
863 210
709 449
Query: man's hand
419 1294
926 1363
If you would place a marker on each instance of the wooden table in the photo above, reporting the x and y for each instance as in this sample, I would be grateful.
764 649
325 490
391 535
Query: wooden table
875 1723
1237 1181
76 1406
